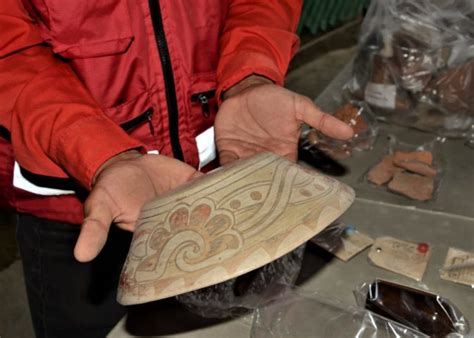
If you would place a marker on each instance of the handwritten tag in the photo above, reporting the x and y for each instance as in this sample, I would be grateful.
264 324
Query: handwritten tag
343 241
458 267
405 258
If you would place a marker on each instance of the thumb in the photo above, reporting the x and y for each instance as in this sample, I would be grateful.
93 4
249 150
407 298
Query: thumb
94 229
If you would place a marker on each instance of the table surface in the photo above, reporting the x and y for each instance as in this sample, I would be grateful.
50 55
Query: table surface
447 221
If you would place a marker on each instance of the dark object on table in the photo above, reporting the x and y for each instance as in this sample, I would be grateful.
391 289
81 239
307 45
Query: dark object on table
423 311
319 160
240 295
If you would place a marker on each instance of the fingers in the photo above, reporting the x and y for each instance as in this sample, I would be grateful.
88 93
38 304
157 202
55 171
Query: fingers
308 113
94 229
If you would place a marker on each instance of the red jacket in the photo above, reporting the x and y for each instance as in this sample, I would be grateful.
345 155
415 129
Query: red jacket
83 80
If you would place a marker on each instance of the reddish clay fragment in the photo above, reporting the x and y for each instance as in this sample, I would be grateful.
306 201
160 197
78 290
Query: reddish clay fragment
418 156
412 185
383 171
418 168
419 162
349 114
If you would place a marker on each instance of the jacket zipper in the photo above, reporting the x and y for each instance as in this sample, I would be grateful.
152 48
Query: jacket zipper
203 98
170 90
140 119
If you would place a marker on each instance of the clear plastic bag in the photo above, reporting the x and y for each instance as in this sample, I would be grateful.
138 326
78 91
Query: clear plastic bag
417 309
415 171
297 314
415 64
359 116
240 295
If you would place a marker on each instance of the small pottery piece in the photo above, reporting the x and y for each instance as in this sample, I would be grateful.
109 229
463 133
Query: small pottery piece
225 224
383 172
349 114
415 186
419 162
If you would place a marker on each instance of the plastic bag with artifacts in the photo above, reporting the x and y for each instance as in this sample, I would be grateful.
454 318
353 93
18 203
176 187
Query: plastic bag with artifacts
420 310
414 62
450 95
414 171
356 114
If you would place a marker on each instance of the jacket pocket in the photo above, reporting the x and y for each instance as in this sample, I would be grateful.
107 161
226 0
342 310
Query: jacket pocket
202 102
144 118
85 28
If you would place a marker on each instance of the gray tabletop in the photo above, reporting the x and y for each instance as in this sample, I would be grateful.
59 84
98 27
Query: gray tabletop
447 221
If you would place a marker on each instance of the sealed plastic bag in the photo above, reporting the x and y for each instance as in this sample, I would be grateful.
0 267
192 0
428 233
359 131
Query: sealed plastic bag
415 171
296 314
357 115
419 310
239 295
415 64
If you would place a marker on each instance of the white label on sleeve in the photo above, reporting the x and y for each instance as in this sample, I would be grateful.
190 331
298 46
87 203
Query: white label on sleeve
381 95
206 147
20 182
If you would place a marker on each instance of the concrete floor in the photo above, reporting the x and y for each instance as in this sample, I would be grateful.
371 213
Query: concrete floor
309 79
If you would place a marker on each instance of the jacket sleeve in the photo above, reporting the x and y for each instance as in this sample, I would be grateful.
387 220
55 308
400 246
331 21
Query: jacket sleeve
57 129
258 38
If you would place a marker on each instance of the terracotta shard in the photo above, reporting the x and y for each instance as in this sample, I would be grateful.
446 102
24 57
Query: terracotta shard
225 224
350 115
383 171
419 162
418 168
412 185
423 156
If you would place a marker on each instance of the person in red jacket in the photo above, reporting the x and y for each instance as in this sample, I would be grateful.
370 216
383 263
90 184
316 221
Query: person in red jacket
105 105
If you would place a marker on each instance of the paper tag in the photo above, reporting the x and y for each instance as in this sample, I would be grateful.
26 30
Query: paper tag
459 267
344 242
381 95
405 258
206 147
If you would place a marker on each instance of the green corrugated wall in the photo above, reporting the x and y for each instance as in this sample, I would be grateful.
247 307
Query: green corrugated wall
322 15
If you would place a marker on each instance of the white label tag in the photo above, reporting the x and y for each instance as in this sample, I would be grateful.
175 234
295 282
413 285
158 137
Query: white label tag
20 182
206 147
381 95
459 267
405 258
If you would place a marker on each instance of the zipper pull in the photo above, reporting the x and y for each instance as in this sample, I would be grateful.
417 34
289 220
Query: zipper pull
204 104
149 114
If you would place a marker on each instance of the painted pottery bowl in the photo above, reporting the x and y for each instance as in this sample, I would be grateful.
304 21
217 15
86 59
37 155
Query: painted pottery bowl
225 224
